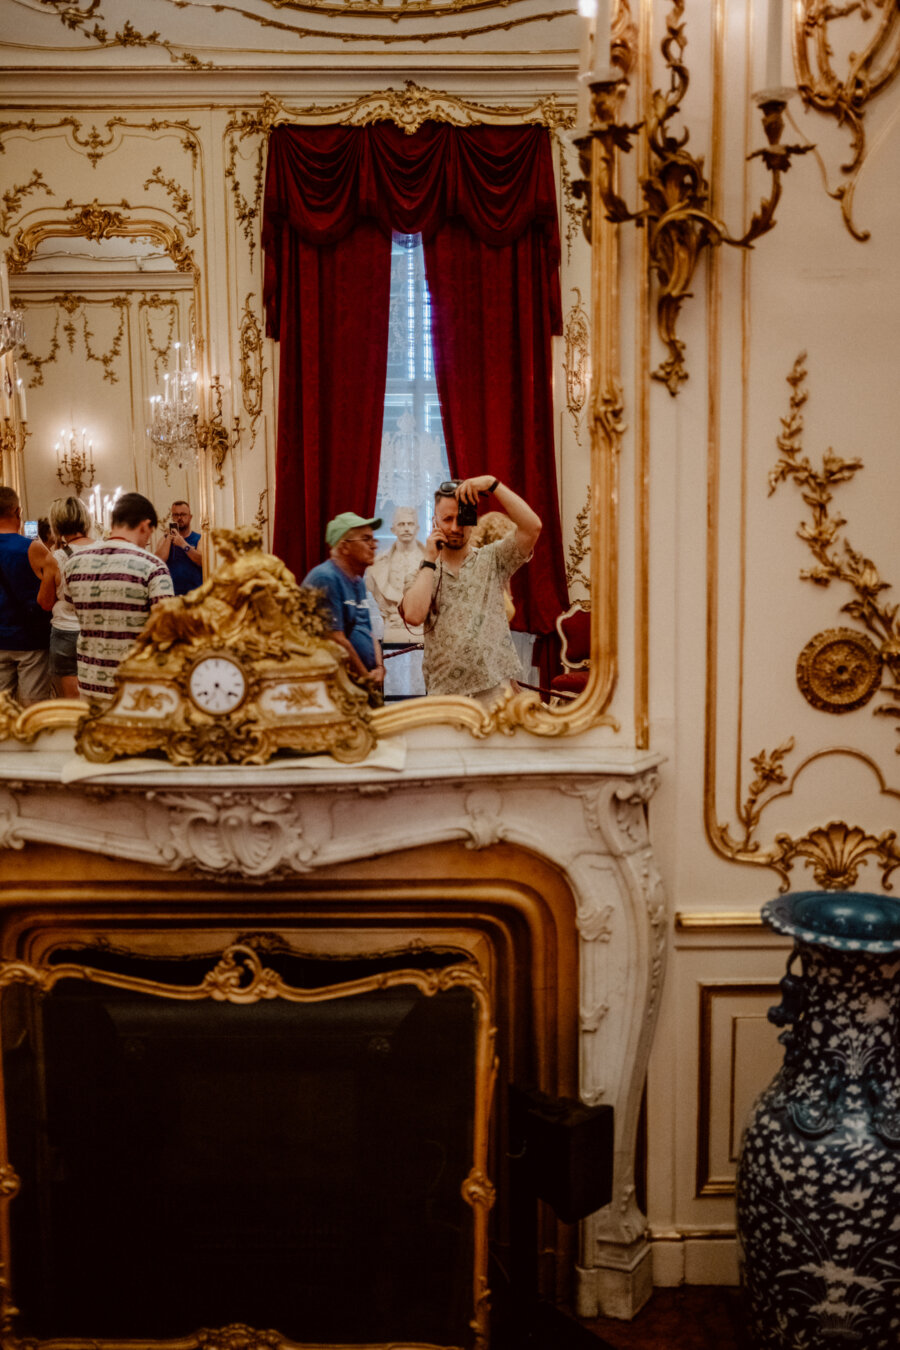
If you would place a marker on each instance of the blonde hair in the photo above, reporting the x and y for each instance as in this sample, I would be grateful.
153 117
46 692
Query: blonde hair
69 515
491 527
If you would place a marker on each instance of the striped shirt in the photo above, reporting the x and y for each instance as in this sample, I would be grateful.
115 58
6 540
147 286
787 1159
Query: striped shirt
113 586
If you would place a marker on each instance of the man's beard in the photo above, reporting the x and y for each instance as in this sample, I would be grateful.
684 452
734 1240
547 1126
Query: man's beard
455 547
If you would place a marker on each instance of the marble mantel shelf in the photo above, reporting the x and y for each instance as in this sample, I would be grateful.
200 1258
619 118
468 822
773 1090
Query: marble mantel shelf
580 805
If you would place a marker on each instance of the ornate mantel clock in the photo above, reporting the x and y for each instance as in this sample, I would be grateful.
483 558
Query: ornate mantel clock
233 672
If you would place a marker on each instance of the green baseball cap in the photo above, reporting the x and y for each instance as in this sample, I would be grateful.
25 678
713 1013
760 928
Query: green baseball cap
347 520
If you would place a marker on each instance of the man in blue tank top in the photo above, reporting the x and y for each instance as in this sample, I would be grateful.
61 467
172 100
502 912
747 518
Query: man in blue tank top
341 579
180 550
26 568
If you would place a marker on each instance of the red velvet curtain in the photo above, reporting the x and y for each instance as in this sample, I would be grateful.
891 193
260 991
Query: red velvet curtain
484 200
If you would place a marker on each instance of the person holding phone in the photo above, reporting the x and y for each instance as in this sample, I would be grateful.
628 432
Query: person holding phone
180 549
459 591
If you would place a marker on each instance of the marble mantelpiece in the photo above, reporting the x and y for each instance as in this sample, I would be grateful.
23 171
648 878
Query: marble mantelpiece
579 806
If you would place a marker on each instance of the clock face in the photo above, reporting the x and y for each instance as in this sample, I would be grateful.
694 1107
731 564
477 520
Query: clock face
217 684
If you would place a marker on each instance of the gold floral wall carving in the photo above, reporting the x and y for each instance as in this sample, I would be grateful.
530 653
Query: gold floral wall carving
577 362
836 851
253 368
871 65
74 308
830 656
580 547
14 196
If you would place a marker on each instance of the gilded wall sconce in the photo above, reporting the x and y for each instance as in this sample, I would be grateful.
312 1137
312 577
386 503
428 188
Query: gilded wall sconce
213 436
872 59
675 191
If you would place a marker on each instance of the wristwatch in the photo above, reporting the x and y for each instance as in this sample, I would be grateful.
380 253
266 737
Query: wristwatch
426 563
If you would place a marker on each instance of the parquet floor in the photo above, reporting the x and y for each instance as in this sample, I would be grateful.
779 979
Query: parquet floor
691 1317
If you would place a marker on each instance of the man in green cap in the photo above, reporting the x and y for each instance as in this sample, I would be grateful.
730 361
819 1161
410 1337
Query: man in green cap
341 579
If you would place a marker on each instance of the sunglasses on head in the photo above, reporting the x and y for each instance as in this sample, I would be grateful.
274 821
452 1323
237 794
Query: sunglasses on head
448 489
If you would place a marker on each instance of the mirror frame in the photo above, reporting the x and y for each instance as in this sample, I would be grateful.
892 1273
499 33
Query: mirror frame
409 108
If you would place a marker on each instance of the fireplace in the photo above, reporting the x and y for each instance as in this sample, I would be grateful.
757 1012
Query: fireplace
342 973
224 1127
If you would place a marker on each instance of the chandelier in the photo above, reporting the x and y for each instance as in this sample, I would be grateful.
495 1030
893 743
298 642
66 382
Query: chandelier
173 417
75 460
12 330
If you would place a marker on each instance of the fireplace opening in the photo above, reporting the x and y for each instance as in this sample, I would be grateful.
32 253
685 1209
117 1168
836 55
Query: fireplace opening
253 1136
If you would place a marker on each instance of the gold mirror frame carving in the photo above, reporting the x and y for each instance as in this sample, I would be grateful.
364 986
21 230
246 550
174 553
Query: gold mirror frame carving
409 107
239 976
96 222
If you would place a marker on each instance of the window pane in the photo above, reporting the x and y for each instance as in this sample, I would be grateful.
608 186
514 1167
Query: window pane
413 452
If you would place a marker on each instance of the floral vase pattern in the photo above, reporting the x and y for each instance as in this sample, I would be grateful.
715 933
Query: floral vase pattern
818 1189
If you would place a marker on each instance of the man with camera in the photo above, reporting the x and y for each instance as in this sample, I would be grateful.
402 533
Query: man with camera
180 550
458 593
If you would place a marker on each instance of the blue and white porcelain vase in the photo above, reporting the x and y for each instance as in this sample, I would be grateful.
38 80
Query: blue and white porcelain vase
818 1191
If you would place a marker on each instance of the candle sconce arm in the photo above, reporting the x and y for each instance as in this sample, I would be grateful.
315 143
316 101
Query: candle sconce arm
675 189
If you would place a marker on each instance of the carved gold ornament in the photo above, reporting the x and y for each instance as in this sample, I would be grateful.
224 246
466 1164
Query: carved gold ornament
231 673
213 437
835 852
580 546
873 55
577 363
252 367
12 198
99 222
675 190
839 670
835 559
240 977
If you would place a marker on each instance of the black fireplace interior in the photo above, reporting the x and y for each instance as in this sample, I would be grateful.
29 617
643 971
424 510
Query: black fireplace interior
191 1163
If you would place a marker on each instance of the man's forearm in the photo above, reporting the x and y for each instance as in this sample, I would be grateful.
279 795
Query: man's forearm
164 547
526 521
355 659
416 601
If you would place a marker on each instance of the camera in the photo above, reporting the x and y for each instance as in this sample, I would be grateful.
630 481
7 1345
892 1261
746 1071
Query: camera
466 514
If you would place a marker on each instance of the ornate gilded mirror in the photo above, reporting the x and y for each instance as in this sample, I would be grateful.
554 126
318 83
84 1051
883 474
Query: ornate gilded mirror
109 288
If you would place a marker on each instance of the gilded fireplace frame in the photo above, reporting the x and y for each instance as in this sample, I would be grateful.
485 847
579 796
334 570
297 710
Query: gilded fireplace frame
239 975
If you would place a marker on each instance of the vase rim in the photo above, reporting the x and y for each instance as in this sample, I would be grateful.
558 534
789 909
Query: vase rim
846 921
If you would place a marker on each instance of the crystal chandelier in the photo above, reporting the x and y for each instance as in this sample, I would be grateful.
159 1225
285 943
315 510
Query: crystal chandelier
173 417
75 460
12 330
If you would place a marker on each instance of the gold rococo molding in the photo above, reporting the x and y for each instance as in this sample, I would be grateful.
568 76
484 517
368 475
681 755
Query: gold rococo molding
95 222
409 108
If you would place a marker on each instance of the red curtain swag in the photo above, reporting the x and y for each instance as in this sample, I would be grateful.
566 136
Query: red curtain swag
484 200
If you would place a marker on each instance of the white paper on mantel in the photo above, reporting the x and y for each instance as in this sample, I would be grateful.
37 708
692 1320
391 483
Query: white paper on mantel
388 754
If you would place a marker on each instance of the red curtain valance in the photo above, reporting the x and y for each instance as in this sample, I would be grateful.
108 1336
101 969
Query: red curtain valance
321 181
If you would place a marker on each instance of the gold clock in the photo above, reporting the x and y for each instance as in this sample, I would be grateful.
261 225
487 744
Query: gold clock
217 684
232 673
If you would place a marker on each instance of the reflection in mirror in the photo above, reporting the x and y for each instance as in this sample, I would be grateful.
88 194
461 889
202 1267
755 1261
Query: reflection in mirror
102 317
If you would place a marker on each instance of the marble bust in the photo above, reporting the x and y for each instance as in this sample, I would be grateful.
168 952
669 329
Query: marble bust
393 571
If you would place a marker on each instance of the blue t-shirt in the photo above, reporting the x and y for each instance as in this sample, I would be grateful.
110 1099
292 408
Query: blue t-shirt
186 575
24 626
348 601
